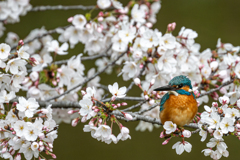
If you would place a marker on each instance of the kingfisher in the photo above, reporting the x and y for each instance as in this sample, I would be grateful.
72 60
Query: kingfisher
179 105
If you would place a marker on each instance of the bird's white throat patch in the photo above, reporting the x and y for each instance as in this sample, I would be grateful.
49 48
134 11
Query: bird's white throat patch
173 92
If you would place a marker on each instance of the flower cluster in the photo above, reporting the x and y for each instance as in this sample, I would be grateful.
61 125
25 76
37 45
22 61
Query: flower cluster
99 113
11 10
24 128
219 120
23 133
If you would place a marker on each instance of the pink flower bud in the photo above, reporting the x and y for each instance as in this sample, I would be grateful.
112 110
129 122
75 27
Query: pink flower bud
119 105
36 83
33 61
210 130
214 65
70 112
83 92
13 132
113 98
17 157
41 135
128 116
115 107
14 104
124 104
40 143
151 102
166 141
152 82
238 126
99 29
20 42
41 148
4 150
173 25
50 145
150 59
53 156
223 90
84 119
12 151
146 97
198 103
96 110
137 81
162 134
195 92
44 111
91 122
101 14
154 92
186 133
54 83
70 19
100 120
149 25
100 19
75 122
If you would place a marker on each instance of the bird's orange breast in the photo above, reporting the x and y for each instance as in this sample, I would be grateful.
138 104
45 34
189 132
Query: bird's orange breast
179 109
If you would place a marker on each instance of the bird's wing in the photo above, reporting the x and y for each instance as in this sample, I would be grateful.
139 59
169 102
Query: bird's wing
163 100
181 91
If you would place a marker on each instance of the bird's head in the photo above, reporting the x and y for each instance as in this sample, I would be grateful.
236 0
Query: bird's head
178 82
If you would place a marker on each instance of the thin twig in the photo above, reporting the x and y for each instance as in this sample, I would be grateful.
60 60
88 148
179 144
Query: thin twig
148 109
60 7
216 89
134 106
125 98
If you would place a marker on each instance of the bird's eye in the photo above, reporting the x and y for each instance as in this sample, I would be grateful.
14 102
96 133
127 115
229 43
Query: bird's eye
180 86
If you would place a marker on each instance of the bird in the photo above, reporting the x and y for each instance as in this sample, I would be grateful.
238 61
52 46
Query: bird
179 104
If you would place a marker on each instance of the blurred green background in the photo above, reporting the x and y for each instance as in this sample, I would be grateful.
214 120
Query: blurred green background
211 19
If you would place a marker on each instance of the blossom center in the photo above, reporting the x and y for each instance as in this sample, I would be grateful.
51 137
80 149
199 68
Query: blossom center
2 50
31 132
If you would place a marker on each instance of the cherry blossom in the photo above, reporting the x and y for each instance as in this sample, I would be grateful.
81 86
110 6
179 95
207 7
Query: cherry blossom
118 93
181 146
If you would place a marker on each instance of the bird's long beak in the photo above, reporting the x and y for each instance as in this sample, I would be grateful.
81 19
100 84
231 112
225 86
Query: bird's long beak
165 88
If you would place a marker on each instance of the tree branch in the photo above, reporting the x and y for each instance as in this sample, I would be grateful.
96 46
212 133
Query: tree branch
134 106
60 7
147 119
216 89
125 98
145 110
